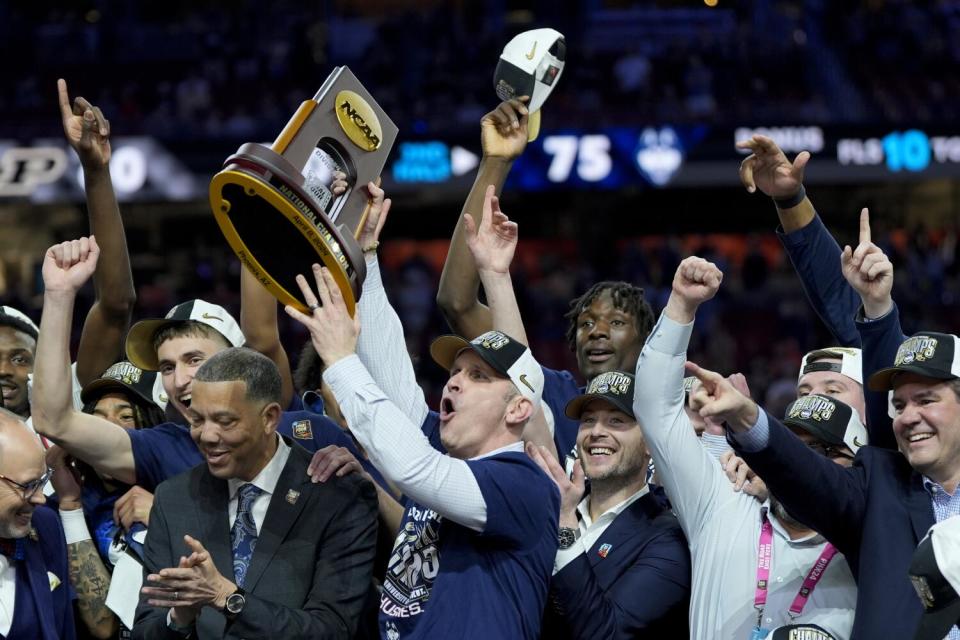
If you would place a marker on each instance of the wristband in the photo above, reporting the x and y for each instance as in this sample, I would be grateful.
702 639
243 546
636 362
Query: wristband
74 526
792 201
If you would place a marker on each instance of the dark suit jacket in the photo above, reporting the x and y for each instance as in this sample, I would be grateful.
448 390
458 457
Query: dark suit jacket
641 589
48 553
875 513
311 569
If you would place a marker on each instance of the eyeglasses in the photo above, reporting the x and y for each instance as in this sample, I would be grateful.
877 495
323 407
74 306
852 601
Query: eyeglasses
27 490
829 450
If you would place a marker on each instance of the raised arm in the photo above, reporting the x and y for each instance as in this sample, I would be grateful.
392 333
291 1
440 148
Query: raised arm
101 342
395 444
100 443
492 242
258 321
815 490
382 346
503 137
691 477
870 272
813 251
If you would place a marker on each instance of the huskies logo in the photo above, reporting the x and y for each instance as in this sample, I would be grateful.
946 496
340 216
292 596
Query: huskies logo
918 349
414 564
492 340
612 382
302 430
812 408
124 372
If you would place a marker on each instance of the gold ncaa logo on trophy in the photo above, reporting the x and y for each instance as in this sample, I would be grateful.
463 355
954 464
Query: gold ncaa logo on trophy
274 204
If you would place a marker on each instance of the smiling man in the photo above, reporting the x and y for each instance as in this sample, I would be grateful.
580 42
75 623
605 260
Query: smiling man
623 568
304 571
176 345
473 555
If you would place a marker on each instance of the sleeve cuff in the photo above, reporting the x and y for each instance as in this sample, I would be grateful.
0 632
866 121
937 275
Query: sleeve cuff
716 445
566 556
670 337
756 437
74 526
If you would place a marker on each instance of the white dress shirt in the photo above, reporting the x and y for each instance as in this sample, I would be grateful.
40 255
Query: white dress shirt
8 593
266 480
723 526
591 531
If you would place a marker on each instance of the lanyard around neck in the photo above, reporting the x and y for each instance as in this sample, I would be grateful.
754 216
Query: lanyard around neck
764 558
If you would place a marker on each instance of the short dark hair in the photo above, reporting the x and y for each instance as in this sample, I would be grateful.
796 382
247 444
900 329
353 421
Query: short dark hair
240 364
187 328
17 324
955 385
625 296
308 375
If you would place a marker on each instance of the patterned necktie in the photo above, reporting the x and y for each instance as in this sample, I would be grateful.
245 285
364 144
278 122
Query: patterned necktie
243 536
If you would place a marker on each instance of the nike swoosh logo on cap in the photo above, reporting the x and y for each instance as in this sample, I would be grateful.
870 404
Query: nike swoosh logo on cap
532 51
523 379
207 316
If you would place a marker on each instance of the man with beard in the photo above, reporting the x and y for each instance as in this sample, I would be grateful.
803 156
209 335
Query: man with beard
736 542
607 324
623 567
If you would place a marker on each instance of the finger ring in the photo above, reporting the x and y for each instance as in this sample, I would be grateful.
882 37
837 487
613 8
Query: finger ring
313 307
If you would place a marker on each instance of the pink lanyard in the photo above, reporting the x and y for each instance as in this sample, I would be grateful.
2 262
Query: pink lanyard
764 556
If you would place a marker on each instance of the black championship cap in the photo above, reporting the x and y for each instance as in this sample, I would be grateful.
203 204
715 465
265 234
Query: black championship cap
123 377
140 349
932 355
507 357
828 420
613 387
935 573
801 632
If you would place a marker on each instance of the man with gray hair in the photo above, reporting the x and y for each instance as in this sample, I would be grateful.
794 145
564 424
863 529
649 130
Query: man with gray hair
245 545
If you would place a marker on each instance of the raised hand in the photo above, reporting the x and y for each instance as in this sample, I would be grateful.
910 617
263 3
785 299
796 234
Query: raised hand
68 265
332 330
869 271
571 490
503 131
369 235
768 169
86 129
717 398
492 243
696 281
65 479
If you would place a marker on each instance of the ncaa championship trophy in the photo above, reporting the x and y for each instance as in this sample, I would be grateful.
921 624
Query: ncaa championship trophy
530 65
274 205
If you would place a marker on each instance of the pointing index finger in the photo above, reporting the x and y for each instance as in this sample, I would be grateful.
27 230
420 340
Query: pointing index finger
65 110
865 226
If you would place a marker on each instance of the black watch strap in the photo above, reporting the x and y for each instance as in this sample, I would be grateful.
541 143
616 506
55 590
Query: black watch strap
231 609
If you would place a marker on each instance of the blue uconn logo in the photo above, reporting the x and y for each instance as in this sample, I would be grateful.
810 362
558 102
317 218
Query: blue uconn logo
659 155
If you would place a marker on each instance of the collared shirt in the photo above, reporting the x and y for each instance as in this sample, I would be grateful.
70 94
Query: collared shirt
722 525
266 480
8 593
591 531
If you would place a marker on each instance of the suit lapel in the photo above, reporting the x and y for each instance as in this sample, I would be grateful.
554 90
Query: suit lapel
919 506
286 503
39 586
212 496
626 530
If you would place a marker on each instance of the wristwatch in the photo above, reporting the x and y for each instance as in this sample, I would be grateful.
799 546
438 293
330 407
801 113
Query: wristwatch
568 536
234 605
